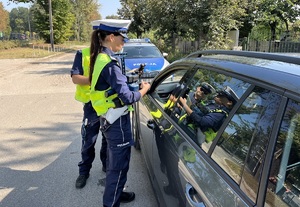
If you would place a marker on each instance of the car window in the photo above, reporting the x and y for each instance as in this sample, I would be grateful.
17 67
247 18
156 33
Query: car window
284 179
142 52
203 124
168 88
241 148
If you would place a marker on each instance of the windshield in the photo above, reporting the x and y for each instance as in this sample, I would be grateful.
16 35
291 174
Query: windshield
142 52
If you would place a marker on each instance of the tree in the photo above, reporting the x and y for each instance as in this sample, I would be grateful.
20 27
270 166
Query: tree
248 21
112 17
85 11
22 1
4 21
19 19
136 11
165 18
273 13
62 17
224 17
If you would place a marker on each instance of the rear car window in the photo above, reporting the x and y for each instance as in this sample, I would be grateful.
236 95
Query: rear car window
240 151
142 52
284 178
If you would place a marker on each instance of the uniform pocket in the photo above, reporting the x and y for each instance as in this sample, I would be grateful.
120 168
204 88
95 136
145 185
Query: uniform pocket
119 158
83 131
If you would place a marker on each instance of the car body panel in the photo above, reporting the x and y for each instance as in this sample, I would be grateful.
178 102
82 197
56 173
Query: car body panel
151 64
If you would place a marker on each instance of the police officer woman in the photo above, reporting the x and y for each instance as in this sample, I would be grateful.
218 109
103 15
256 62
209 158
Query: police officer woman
90 123
106 74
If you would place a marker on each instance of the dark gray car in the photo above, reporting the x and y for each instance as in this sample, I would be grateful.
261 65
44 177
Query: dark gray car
251 159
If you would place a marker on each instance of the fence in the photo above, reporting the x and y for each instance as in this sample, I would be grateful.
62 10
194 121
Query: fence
273 46
186 47
56 48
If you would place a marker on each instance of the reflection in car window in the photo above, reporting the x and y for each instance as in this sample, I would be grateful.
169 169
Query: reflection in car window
164 92
284 179
241 148
145 51
208 113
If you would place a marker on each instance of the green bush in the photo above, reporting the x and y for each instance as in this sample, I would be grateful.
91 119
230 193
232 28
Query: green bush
9 44
175 56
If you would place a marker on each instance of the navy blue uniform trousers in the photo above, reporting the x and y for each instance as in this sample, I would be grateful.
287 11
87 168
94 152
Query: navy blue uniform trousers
89 133
119 140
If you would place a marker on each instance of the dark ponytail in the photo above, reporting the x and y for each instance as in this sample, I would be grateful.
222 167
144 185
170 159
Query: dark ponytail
95 48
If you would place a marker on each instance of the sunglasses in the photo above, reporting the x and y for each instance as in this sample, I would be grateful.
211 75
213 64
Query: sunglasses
118 34
204 91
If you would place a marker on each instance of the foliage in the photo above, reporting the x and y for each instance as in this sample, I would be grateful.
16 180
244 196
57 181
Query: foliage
9 44
136 11
4 20
19 20
260 33
273 13
22 1
62 18
189 19
295 31
112 17
224 17
85 11
170 21
249 18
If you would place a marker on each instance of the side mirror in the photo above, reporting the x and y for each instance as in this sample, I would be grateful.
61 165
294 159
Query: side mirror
165 54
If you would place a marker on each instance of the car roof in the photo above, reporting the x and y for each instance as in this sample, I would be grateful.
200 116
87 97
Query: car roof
138 44
276 69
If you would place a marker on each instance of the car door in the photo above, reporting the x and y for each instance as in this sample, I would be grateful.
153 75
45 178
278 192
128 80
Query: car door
160 155
198 182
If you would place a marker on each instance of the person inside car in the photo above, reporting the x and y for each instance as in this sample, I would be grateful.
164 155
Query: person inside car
211 122
197 100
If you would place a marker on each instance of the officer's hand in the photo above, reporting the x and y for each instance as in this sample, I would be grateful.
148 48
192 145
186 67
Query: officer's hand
145 86
182 100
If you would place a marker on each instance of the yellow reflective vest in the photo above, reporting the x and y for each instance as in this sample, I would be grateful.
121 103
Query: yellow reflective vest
82 93
210 134
101 103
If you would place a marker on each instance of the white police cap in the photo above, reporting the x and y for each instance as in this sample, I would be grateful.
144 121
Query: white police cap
229 93
112 25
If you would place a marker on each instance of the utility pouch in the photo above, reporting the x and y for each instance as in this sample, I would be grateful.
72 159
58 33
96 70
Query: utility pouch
113 114
118 103
104 125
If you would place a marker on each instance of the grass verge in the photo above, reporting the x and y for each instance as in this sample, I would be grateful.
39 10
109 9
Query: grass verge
17 53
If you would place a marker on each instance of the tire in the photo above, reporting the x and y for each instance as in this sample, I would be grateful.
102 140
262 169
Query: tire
135 127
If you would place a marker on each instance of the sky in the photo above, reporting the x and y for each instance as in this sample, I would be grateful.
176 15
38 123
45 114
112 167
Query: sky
108 7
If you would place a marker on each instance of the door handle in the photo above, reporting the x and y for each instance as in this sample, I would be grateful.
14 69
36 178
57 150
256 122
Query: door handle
150 124
189 189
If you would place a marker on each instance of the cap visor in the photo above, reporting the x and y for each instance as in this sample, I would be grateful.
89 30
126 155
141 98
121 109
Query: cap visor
124 35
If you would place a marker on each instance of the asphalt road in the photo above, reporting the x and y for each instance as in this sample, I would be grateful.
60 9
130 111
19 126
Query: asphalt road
40 140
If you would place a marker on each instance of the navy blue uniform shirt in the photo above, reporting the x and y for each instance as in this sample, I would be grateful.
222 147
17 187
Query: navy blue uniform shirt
212 120
77 64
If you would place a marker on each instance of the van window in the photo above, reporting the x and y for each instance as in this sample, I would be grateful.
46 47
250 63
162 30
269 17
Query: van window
241 148
284 179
